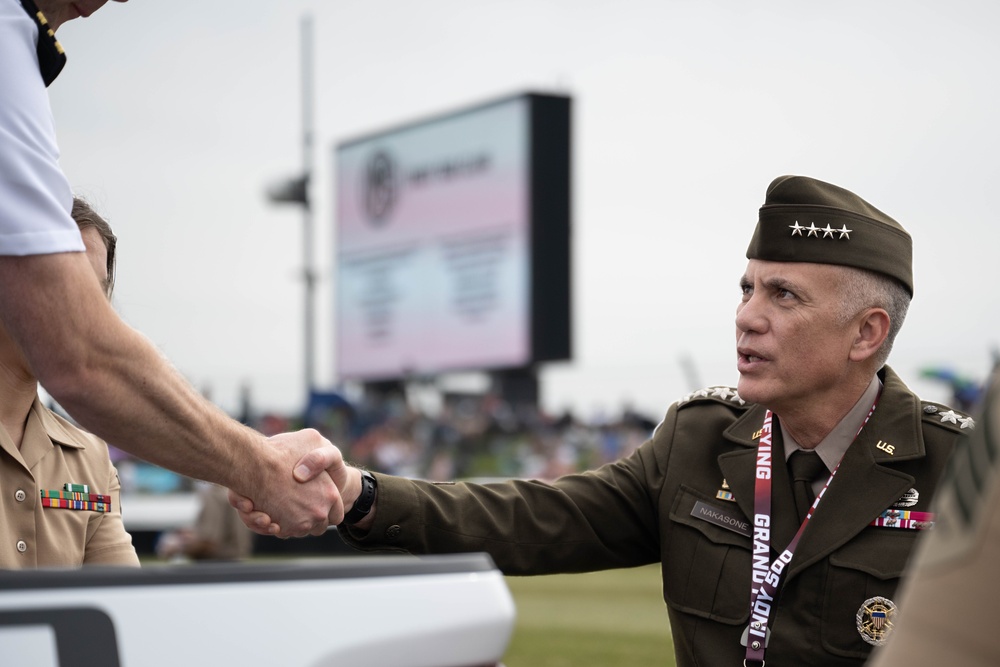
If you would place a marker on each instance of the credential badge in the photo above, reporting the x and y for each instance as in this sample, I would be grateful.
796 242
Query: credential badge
875 620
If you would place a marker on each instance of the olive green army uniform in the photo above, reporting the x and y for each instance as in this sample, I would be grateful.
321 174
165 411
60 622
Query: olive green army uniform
54 453
685 499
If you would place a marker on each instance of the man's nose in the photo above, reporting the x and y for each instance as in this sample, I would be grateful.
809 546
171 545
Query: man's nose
749 315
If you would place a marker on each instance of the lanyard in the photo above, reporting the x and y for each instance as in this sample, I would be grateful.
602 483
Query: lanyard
766 577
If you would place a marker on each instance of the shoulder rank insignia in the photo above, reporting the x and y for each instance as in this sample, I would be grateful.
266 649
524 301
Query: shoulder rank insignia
717 393
942 415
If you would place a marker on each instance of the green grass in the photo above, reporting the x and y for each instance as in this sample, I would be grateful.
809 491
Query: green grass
596 619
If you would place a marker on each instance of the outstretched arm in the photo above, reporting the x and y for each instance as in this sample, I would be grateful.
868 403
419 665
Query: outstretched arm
119 386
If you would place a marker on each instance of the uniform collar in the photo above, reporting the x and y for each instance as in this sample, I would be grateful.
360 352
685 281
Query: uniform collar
835 444
898 413
43 430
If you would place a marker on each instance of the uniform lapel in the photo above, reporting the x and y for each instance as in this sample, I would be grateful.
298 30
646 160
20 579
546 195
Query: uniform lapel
738 466
863 487
739 469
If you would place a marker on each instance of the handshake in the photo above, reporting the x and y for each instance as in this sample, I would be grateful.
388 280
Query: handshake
302 487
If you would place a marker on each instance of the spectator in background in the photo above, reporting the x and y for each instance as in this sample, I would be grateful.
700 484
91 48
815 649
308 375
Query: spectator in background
60 504
217 534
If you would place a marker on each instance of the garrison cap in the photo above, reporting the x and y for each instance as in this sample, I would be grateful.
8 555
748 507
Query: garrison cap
805 220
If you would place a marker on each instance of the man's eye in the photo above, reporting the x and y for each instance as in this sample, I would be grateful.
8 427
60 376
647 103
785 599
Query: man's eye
785 294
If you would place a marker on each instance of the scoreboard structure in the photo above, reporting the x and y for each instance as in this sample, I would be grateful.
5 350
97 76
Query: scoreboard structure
453 242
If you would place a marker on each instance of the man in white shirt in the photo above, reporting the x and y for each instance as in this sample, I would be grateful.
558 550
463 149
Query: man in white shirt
109 377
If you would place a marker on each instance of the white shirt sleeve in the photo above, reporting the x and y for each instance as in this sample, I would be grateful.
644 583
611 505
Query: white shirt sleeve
35 198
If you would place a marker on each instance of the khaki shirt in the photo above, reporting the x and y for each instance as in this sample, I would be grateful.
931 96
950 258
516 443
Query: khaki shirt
952 591
54 452
651 507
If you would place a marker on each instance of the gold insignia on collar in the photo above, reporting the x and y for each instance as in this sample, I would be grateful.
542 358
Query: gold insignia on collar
885 447
757 434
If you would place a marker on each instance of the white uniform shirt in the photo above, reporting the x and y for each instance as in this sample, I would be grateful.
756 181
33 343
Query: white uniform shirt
35 198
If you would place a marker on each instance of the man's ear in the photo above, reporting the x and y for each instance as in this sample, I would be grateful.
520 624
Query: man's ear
872 330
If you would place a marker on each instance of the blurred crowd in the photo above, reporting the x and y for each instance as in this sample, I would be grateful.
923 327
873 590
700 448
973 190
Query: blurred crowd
468 437
480 437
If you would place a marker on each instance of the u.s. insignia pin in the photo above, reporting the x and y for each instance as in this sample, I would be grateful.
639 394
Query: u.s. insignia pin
875 620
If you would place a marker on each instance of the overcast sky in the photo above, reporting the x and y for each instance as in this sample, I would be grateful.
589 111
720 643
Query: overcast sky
173 117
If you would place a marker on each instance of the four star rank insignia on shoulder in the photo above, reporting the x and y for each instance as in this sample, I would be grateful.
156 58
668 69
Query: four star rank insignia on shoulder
718 393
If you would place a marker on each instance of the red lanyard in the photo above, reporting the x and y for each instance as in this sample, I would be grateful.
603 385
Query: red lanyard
766 577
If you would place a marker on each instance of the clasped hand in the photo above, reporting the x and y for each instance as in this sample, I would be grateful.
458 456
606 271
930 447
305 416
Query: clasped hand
299 490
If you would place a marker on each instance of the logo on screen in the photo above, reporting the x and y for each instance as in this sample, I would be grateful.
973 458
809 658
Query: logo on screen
381 187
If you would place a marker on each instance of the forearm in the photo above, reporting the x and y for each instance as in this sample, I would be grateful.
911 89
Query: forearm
112 380
137 401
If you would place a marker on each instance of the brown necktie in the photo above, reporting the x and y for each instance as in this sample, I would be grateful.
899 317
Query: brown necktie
804 467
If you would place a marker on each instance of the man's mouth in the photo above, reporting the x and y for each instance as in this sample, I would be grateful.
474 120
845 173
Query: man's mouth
749 356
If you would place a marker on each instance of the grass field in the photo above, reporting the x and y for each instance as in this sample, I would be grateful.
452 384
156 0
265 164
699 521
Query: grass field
597 619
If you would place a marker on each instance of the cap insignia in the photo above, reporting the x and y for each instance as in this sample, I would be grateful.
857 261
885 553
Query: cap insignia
813 230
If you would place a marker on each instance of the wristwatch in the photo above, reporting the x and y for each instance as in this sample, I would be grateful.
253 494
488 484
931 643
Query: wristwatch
364 502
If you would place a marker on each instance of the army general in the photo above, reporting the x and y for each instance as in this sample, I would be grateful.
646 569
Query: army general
782 511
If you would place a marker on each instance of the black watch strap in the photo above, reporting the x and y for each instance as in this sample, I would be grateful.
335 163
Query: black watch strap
364 502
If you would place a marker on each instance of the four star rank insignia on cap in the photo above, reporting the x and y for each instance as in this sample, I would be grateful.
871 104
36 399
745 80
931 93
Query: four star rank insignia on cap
828 231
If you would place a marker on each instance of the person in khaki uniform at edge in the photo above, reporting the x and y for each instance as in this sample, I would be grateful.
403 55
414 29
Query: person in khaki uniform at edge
952 588
40 452
710 496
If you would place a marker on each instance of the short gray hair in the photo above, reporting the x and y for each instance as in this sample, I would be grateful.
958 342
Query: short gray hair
867 289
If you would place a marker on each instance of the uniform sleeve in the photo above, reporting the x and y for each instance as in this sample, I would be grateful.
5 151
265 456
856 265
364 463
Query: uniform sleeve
110 543
590 521
35 198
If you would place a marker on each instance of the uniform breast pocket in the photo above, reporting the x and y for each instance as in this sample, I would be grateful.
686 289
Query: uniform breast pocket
706 563
869 566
